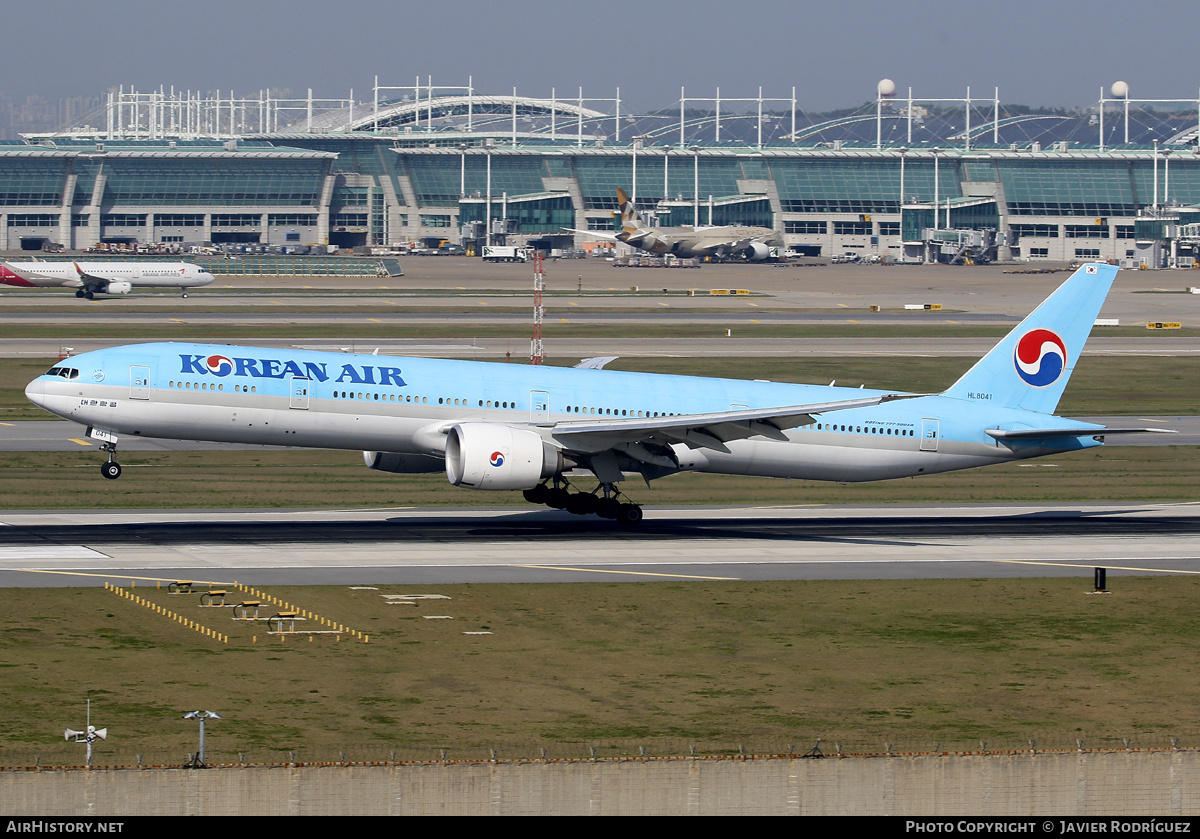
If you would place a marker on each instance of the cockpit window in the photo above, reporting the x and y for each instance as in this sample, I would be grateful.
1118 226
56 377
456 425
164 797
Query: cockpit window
63 372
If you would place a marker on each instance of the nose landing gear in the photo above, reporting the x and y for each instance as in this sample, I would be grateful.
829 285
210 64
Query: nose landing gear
110 468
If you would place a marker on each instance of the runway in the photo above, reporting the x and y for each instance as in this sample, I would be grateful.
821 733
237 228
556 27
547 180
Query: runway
522 545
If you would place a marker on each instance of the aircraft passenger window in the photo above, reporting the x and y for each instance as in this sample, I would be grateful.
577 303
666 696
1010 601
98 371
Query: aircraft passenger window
220 387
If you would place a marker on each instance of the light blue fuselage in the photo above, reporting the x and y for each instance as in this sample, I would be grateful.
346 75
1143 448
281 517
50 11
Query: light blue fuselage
390 404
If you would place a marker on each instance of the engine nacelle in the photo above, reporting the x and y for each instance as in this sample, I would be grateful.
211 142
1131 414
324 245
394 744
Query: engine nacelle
403 463
756 252
484 455
118 287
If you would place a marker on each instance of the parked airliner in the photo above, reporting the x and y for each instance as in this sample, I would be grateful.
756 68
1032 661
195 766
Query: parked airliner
753 244
495 426
92 278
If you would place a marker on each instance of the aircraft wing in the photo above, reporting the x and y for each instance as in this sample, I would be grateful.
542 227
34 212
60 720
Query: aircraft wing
595 234
710 431
89 280
1048 433
596 362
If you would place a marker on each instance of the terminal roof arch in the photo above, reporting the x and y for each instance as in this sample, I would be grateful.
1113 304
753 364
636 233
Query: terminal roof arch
454 109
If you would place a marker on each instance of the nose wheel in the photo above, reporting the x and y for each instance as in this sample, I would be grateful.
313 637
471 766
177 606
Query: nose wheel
110 468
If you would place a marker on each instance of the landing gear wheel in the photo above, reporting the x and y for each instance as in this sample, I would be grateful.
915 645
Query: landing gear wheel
185 294
558 498
538 494
111 470
608 508
90 295
582 503
79 292
629 514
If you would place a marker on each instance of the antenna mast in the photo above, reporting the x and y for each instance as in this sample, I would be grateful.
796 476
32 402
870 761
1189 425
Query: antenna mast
539 285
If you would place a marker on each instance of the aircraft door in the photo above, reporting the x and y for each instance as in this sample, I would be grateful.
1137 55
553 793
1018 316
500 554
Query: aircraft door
299 397
930 432
139 382
539 406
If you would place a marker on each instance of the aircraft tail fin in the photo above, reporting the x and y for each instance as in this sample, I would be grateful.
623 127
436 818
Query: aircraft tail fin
10 276
1030 368
631 220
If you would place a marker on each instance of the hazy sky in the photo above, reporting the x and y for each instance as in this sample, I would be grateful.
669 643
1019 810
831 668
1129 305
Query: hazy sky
1038 52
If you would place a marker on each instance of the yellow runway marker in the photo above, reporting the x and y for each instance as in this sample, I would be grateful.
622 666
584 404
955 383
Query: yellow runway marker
1086 564
481 303
668 305
5 423
634 573
374 320
573 304
852 321
175 320
80 442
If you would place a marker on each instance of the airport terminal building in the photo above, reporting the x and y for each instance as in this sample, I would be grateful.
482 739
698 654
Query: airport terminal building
516 170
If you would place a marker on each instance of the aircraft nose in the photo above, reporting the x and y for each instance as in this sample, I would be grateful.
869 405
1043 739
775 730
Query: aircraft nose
35 392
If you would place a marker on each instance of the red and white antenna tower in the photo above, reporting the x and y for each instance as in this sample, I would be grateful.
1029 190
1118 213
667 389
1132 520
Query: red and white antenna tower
539 285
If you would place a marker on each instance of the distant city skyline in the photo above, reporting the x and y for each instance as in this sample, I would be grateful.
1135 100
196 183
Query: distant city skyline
1058 53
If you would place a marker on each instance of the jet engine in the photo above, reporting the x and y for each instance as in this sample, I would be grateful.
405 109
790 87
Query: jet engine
756 252
402 463
484 455
117 287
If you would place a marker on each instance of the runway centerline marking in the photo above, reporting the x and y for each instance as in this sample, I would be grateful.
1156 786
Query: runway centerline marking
605 571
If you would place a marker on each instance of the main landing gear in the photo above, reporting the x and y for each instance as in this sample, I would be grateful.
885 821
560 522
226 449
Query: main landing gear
606 506
85 292
110 468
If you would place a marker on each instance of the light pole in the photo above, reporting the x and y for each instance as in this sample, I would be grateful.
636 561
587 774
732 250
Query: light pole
695 150
198 760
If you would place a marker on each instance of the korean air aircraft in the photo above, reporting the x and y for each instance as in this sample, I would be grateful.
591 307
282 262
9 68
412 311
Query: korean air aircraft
92 278
569 436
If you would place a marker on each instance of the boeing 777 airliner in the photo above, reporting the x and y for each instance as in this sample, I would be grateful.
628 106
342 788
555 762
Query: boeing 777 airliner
495 426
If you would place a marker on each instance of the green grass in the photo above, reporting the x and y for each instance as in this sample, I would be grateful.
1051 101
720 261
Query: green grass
615 666
337 479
